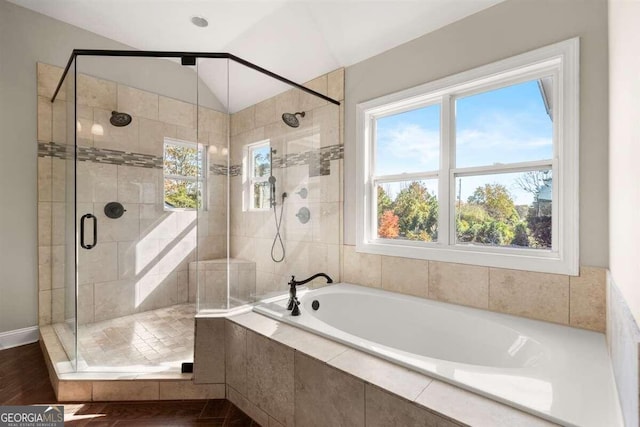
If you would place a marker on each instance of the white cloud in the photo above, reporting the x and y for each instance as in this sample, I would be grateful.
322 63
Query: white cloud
409 141
507 131
492 137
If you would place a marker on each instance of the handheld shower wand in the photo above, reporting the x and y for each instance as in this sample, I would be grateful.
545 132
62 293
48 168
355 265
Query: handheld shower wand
277 239
272 191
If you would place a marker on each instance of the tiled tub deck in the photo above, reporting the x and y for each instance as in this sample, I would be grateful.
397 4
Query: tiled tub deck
282 375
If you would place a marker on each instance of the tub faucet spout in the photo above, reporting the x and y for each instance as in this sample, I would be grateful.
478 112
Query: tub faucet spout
293 303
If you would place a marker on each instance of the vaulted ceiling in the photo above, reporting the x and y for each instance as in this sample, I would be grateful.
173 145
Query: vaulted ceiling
296 39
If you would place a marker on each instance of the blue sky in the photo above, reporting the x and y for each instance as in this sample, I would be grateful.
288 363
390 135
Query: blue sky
501 126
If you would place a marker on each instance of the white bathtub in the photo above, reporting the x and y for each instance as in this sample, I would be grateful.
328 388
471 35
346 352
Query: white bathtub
558 373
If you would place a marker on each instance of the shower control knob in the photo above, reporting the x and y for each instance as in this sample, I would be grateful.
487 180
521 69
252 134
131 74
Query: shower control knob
114 210
303 215
303 193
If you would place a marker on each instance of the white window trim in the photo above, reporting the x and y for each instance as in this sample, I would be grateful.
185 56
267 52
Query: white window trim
560 58
201 178
249 179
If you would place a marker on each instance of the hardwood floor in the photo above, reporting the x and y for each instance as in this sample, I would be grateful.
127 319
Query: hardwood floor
24 381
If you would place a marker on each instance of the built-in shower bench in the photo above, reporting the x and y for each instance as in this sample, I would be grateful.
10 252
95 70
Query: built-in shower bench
211 276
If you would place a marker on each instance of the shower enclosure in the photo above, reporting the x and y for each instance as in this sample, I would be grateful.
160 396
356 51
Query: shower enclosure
181 185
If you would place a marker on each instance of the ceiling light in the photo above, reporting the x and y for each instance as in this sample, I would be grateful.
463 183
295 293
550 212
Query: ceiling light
199 21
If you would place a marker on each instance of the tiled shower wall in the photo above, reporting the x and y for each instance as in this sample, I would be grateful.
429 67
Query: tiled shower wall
308 157
141 259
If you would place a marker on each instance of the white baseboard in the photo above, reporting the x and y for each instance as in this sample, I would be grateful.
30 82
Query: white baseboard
18 337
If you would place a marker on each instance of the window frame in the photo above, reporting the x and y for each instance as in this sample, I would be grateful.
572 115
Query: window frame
201 178
560 60
249 178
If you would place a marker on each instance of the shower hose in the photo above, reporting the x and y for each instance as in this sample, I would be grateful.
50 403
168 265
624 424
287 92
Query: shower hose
277 239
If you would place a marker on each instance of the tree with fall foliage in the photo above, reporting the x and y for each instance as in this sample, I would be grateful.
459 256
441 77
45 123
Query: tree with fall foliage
388 228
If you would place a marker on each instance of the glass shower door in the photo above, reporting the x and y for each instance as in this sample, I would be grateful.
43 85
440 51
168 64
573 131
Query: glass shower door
136 213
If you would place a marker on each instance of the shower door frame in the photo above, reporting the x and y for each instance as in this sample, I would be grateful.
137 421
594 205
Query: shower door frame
187 59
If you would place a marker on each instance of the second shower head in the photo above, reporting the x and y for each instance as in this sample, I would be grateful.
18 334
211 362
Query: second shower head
291 119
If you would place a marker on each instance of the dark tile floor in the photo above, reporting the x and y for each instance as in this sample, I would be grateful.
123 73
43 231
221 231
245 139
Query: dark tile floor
24 381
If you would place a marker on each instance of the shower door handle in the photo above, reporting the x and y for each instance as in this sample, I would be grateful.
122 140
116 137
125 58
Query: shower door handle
95 231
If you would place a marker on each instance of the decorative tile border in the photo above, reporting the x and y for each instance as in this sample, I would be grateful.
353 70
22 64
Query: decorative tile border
114 157
218 169
51 149
319 161
100 155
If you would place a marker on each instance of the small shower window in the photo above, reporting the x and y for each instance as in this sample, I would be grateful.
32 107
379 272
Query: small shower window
184 169
258 158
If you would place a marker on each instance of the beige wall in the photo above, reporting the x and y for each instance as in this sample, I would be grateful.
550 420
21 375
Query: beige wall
623 302
25 39
504 30
47 40
624 114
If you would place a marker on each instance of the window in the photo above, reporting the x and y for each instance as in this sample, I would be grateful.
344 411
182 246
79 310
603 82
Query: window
479 168
258 158
184 168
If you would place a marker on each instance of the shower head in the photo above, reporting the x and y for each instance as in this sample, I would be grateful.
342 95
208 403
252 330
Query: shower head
291 119
120 119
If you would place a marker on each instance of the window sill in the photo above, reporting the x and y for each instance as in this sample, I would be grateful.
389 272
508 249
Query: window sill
184 209
514 259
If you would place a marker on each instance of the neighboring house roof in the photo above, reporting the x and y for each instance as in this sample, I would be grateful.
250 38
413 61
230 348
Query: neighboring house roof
545 192
545 85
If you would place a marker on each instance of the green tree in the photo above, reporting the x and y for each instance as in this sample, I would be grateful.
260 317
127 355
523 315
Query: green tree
539 213
496 201
181 194
182 161
470 220
384 202
417 210
489 217
521 237
540 227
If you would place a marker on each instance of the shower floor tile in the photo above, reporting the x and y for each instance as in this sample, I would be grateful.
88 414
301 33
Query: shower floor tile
153 341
